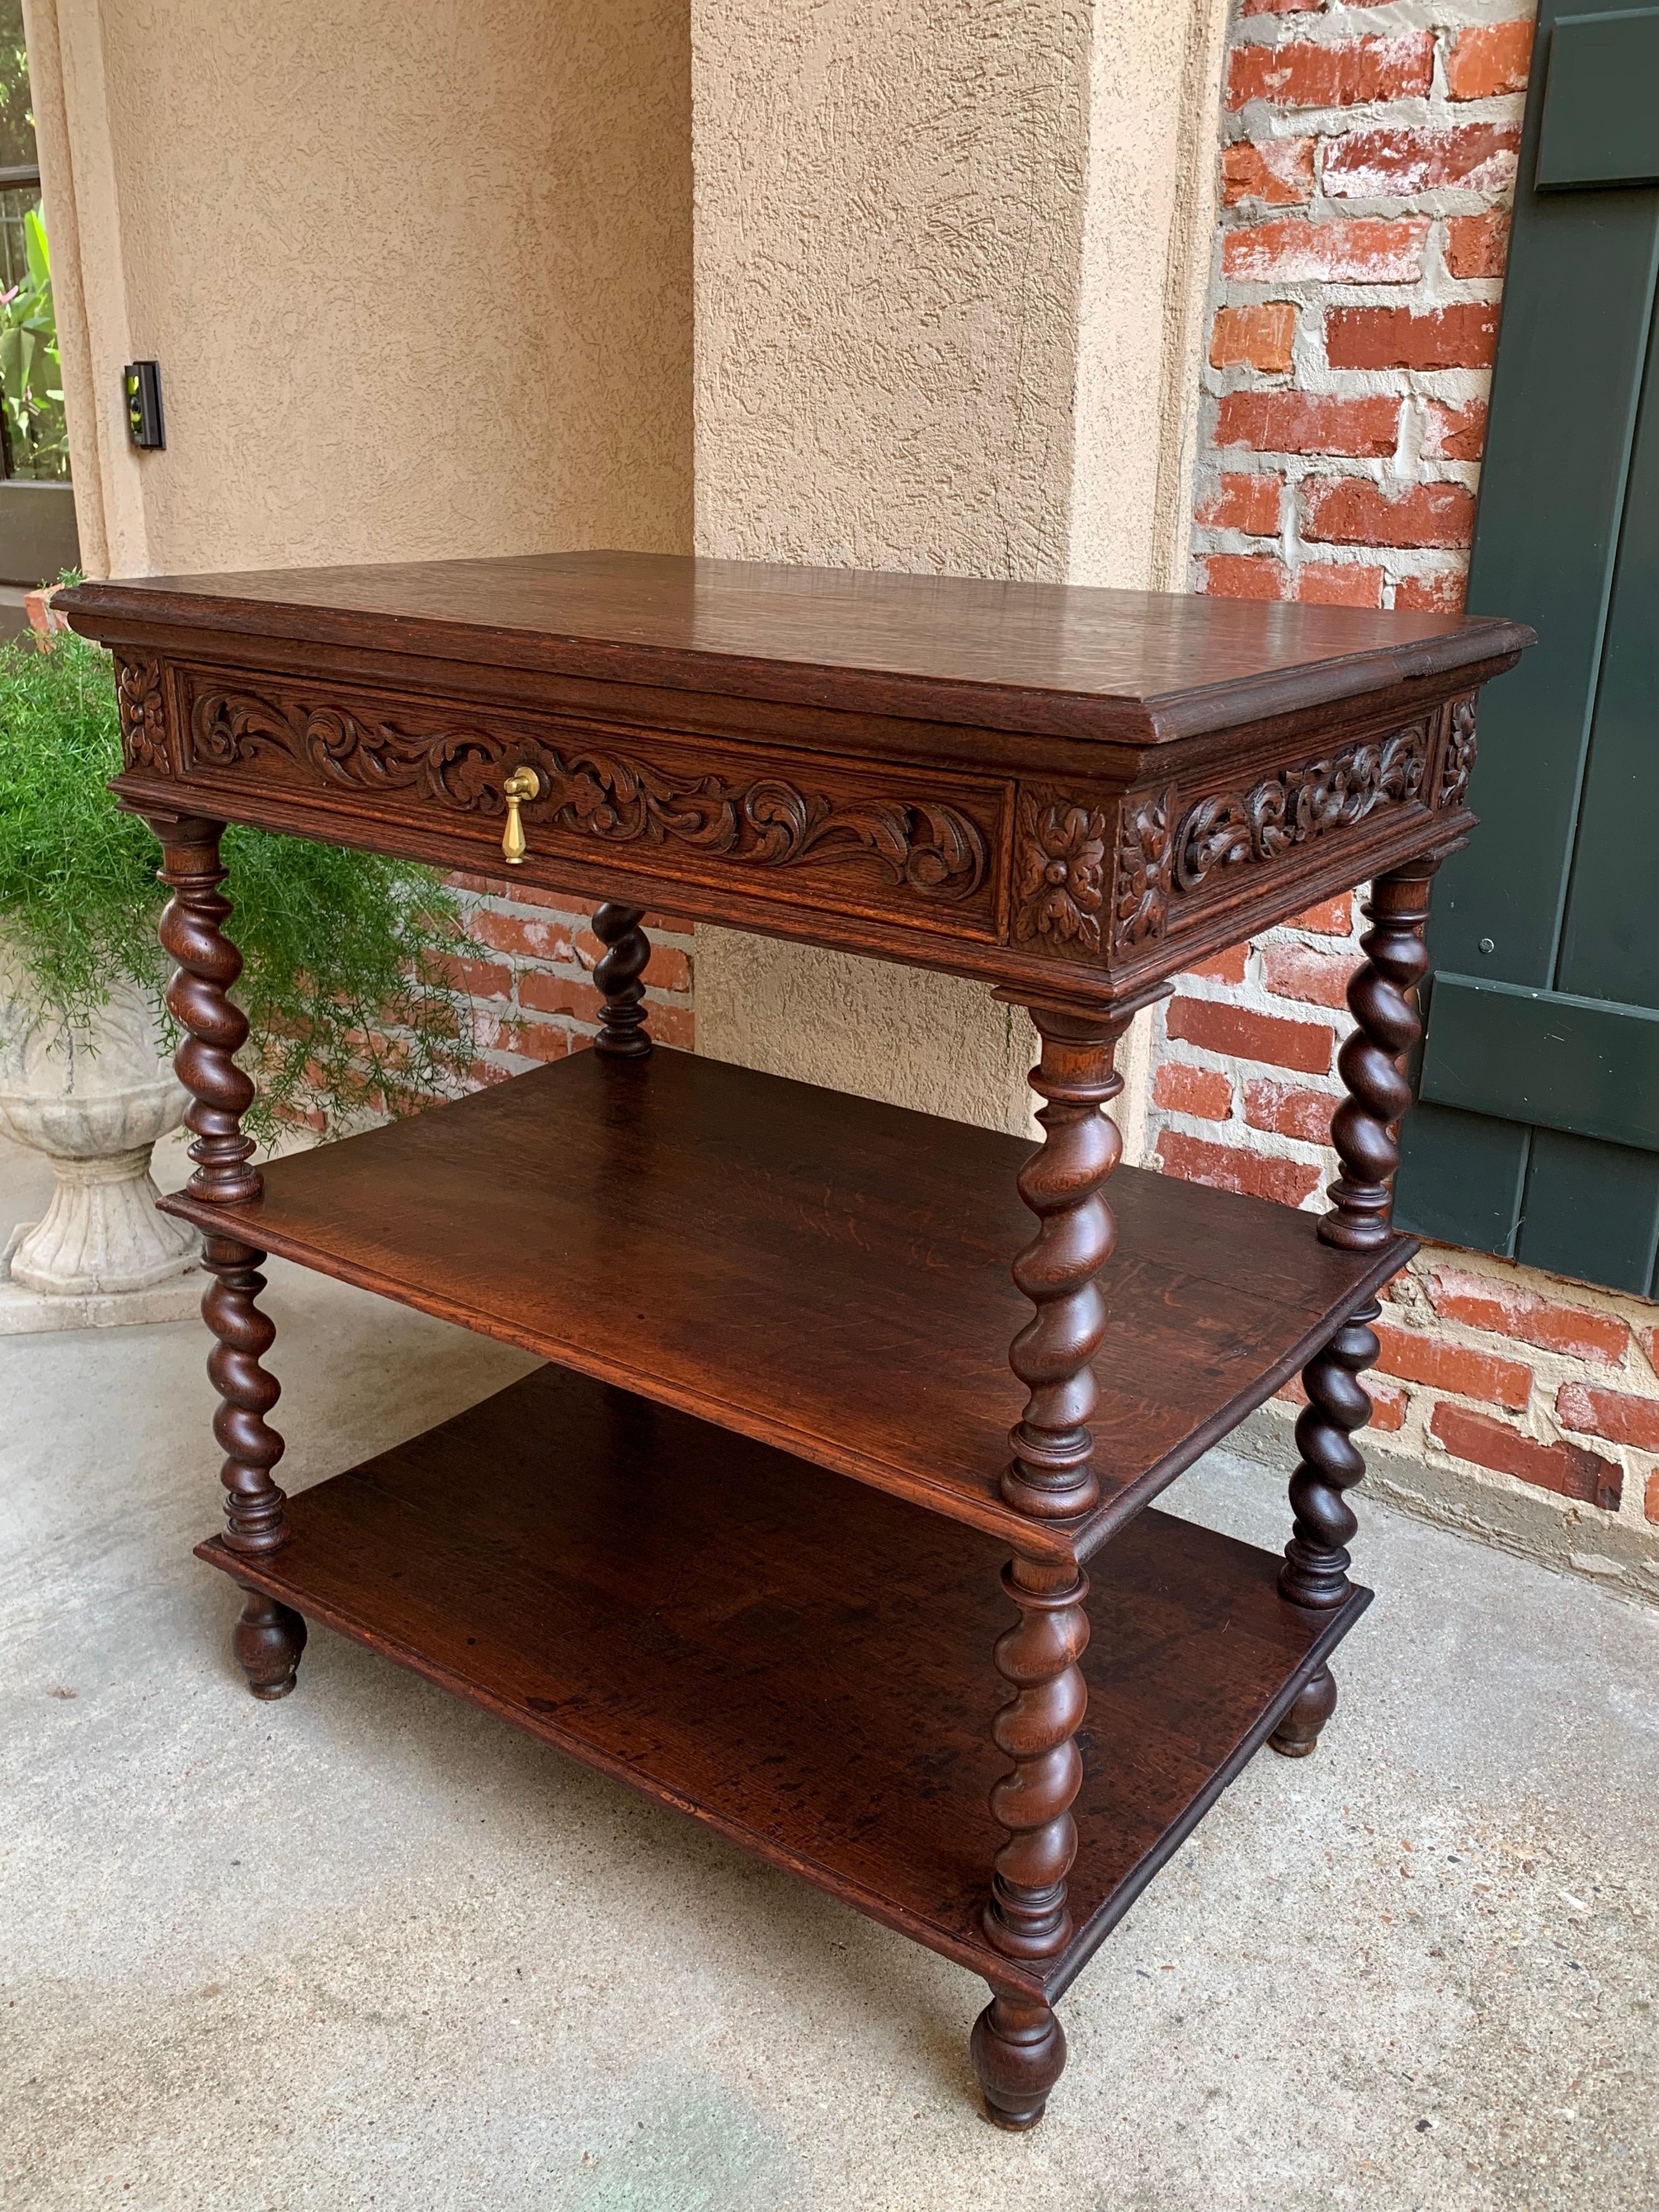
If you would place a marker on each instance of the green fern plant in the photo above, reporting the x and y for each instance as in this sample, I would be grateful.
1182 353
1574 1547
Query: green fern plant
31 372
346 975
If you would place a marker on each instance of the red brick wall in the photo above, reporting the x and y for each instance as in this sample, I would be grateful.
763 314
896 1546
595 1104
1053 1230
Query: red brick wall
1366 182
1366 178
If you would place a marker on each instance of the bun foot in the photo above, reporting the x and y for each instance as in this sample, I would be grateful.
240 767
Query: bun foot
1018 2050
1297 1734
268 1640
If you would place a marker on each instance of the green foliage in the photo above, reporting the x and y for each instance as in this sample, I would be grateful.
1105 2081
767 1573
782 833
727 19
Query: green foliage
345 978
16 120
31 372
346 954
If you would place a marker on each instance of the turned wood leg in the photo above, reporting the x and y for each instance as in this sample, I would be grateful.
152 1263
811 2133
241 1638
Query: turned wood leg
1027 1918
1018 2047
1315 1569
1299 1732
1315 1574
1381 998
1363 1131
215 1028
268 1640
1051 1476
622 1020
254 1519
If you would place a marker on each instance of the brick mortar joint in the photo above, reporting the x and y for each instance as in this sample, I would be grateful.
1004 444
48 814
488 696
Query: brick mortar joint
1418 1402
1413 1441
1393 21
512 911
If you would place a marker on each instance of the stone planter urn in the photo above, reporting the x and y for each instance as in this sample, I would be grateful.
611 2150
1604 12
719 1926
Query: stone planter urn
96 1100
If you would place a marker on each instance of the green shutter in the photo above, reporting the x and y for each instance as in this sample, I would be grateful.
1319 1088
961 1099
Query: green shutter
1601 123
1538 1133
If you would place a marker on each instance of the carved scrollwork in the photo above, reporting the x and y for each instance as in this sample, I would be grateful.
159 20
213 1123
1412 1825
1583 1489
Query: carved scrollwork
1286 810
1459 763
935 850
1060 873
457 767
1145 860
144 715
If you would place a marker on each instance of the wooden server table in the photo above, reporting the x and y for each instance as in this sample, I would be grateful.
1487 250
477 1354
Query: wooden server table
739 1542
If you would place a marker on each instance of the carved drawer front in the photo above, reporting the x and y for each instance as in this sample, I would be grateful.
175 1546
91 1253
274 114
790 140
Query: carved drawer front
794 828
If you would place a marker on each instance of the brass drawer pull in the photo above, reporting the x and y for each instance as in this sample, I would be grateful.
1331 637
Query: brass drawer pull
522 783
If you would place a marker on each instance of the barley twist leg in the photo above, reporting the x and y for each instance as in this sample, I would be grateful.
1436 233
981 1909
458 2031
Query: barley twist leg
1018 2046
623 1033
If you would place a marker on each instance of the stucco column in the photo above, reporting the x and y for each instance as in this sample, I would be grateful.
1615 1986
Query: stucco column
418 276
948 263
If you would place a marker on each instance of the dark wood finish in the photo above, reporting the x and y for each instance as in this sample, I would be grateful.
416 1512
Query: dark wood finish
1028 1916
1297 1734
1381 998
268 1639
987 654
247 1391
1051 1476
800 1663
818 1271
1018 2050
617 973
1071 794
198 996
215 1028
1042 786
1316 1560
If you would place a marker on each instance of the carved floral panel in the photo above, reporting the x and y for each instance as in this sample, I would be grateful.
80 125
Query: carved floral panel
1061 844
143 715
1458 765
1146 866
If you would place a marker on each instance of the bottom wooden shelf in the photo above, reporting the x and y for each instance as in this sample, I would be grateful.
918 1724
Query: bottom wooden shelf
802 1663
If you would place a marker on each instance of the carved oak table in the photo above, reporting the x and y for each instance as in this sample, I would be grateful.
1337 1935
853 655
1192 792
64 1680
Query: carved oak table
737 1543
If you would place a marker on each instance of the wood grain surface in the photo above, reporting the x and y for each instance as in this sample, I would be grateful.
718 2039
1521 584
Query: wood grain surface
1066 658
751 1288
820 1271
803 1664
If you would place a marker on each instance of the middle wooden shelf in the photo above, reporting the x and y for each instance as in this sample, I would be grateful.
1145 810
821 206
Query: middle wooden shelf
821 1273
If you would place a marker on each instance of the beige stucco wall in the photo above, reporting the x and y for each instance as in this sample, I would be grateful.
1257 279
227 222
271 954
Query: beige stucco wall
888 202
418 273
888 205
944 274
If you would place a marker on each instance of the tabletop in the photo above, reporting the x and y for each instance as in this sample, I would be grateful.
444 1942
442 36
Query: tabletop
1061 788
1068 658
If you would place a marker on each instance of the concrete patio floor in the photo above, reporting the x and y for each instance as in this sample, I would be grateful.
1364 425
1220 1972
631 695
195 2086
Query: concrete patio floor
370 1947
